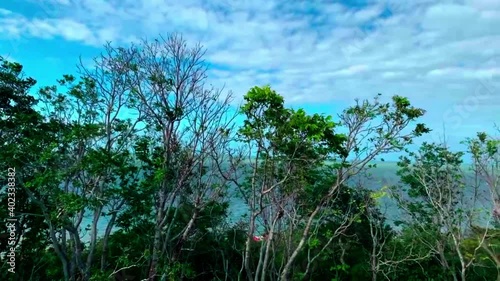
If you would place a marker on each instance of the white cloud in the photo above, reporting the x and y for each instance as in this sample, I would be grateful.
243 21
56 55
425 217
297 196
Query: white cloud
5 12
434 52
484 4
351 70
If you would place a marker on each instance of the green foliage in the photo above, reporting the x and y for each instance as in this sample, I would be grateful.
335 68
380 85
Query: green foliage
75 162
288 132
24 134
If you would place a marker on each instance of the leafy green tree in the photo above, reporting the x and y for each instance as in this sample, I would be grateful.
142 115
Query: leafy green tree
127 173
439 203
286 142
289 146
24 133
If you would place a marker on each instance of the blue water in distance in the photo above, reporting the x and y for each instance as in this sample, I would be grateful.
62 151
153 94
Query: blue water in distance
383 175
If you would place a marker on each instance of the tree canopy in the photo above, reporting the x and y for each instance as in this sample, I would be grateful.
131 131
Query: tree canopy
131 170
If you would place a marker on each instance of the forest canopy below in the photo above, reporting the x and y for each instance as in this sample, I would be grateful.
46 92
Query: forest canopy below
127 171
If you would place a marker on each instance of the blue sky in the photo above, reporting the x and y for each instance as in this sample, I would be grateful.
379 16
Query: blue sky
320 55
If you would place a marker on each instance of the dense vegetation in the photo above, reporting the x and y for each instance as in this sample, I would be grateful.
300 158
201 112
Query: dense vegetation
127 171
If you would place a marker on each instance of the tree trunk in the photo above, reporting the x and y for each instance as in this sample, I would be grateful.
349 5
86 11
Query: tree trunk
153 268
288 266
268 248
374 267
93 243
105 240
246 257
178 248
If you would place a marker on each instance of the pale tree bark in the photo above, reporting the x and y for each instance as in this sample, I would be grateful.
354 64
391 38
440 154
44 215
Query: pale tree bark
445 189
373 129
485 153
191 121
385 257
267 204
113 93
346 221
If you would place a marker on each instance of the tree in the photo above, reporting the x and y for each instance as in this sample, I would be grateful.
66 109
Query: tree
380 233
286 147
24 132
186 126
296 142
128 171
383 126
485 153
440 204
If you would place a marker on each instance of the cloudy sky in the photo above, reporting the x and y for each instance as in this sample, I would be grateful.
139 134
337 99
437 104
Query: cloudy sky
320 55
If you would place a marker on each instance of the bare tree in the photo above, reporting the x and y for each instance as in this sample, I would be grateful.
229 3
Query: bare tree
378 233
267 203
373 129
191 121
485 153
109 82
441 202
387 252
